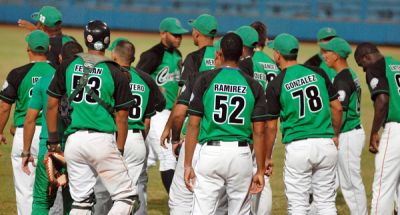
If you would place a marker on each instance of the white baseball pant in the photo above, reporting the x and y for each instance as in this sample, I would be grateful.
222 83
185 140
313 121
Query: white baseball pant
89 154
227 167
23 183
261 203
167 159
387 171
310 164
351 144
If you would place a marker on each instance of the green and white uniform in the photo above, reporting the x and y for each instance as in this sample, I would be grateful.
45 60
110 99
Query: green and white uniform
300 96
228 101
265 69
351 142
383 77
18 89
164 66
91 149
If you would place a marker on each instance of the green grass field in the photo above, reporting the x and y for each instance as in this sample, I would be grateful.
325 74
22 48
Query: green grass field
13 54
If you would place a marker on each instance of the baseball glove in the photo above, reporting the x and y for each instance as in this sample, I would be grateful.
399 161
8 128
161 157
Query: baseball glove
55 169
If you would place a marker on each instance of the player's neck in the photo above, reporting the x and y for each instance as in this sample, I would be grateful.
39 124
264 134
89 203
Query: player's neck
38 58
205 41
230 64
94 52
286 64
340 66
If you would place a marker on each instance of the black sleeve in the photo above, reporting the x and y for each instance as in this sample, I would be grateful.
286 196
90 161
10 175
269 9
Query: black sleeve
122 94
156 99
9 91
376 79
186 92
148 62
332 91
272 95
189 67
259 113
345 85
314 61
246 66
57 87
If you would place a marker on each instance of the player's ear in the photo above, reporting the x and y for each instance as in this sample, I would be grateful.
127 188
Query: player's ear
60 57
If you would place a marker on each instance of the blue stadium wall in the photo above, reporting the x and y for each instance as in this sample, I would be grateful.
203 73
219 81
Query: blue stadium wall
375 21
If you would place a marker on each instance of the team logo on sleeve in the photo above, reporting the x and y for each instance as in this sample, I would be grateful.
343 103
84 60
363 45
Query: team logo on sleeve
373 83
5 85
342 95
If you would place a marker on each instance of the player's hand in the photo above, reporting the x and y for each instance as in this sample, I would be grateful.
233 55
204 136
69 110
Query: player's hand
269 166
27 25
257 183
190 178
176 148
374 143
12 130
165 136
336 141
25 164
3 139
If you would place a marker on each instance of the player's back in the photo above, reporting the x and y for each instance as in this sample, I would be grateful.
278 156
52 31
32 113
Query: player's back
265 69
393 77
228 103
305 103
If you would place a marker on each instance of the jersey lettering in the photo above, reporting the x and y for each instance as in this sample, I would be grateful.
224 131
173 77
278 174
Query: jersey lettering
300 82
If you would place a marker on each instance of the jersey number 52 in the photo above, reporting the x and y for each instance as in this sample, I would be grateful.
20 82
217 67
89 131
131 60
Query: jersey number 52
221 109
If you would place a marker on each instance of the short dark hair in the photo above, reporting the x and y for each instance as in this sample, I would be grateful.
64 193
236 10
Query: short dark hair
70 49
364 49
290 57
262 31
125 50
231 47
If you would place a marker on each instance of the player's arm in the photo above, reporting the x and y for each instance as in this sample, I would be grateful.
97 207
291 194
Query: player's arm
337 111
381 107
271 128
27 25
29 131
5 109
146 122
345 87
121 121
191 140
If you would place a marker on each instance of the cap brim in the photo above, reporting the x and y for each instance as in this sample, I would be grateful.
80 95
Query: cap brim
324 46
179 31
35 16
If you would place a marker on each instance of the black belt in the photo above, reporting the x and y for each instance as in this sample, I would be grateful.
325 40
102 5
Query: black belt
136 130
242 143
358 127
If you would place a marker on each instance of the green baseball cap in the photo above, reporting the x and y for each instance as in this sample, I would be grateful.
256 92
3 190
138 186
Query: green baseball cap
172 25
337 45
286 44
38 41
115 42
248 35
206 24
325 33
48 16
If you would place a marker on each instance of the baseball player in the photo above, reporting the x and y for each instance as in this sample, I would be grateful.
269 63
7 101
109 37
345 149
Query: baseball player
92 147
324 35
163 62
352 136
195 64
42 201
301 96
18 89
49 20
383 79
231 107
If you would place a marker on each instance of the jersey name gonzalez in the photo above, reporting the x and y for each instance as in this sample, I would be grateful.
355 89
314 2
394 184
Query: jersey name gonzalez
300 82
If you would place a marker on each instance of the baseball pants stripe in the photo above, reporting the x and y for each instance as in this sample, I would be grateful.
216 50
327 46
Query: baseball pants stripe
310 164
387 171
219 168
24 183
351 144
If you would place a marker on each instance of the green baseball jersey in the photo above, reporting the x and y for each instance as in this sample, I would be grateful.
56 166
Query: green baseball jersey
148 99
197 62
106 80
349 90
384 77
19 85
301 97
164 66
318 61
228 102
265 69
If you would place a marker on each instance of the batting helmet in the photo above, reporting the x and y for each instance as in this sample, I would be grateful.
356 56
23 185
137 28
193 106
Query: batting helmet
97 35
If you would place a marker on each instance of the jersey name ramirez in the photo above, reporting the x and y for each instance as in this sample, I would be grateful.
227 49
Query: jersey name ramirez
300 82
227 88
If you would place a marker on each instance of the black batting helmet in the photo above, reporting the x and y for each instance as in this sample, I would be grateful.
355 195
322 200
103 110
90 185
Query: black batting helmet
97 35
